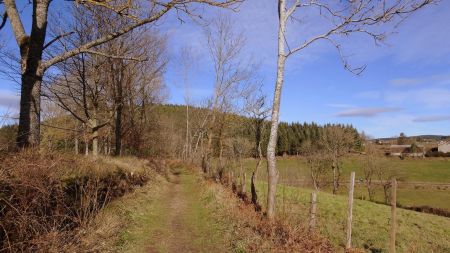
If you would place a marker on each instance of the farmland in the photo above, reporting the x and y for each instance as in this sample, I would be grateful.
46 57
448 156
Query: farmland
423 182
417 232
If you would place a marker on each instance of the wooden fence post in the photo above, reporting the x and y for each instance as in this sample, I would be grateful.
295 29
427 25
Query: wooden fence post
393 216
312 212
350 210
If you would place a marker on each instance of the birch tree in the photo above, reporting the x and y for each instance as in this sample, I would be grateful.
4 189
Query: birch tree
187 62
33 45
342 19
232 75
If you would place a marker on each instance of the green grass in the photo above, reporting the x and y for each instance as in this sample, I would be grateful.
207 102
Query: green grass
435 170
417 232
162 222
294 171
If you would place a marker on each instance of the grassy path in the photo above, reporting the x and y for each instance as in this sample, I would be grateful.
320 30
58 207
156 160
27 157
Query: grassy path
175 219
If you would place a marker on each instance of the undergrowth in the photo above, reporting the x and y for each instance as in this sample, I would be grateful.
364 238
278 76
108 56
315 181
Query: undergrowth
48 199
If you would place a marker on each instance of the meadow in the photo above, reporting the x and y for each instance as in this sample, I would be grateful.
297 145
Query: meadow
417 232
422 182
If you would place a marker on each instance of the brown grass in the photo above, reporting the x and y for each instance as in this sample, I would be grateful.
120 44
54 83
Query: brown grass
47 198
253 232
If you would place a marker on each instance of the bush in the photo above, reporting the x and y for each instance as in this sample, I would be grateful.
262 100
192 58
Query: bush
45 198
433 153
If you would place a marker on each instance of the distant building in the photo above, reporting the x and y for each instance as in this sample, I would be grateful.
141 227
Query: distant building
444 146
406 151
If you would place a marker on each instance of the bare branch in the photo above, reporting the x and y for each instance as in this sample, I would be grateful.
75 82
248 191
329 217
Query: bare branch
115 56
4 18
57 38
16 23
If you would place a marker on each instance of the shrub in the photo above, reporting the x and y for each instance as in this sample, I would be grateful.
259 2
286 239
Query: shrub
44 198
432 153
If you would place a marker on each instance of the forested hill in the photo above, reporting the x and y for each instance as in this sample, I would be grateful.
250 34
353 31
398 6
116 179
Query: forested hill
164 133
292 137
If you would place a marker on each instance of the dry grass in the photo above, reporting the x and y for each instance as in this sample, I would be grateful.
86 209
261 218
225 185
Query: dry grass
47 199
252 232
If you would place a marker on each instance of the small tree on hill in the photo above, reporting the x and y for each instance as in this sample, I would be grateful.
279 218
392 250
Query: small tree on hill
401 140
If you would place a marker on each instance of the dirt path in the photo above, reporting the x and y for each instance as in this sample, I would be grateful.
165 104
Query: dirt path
181 221
179 237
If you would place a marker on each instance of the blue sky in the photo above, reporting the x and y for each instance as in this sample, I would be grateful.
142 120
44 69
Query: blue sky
405 87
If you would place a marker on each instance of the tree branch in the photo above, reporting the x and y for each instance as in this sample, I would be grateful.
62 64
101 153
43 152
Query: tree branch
16 23
5 17
57 38
166 8
115 56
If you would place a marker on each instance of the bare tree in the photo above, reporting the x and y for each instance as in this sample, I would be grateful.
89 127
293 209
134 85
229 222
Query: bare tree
371 166
81 92
319 162
32 46
338 142
187 62
258 110
342 19
233 74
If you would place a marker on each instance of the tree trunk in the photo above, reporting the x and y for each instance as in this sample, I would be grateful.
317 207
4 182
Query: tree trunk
334 178
30 108
187 144
118 130
76 146
254 178
94 129
31 49
86 146
119 109
271 159
370 190
208 153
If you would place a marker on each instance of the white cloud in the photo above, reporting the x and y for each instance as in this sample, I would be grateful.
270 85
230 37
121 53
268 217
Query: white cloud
405 81
432 97
366 112
370 94
340 105
432 118
438 79
9 100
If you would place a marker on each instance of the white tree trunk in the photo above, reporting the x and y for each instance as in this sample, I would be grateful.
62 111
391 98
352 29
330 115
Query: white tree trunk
271 159
86 146
76 146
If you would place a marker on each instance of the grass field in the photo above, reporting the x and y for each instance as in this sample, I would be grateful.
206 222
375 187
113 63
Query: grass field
295 172
417 232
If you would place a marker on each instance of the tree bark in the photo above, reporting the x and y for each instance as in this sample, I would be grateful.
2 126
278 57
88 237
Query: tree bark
255 174
86 146
271 159
31 50
187 144
118 130
334 178
94 129
119 108
76 146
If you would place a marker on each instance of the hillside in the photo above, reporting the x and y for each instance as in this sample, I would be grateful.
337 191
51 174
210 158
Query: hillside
417 232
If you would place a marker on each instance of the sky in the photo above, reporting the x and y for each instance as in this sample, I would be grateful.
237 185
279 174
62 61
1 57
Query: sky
405 86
